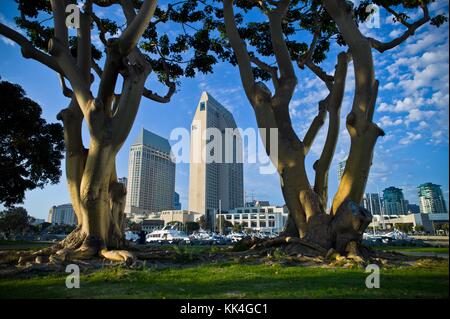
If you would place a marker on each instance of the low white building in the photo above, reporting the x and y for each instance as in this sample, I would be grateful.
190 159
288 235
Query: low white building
428 221
259 218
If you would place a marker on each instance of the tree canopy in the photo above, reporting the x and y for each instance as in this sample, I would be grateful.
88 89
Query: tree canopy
30 148
14 221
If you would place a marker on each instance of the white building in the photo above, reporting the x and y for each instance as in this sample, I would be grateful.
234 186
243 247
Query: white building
151 175
260 218
213 178
62 215
428 221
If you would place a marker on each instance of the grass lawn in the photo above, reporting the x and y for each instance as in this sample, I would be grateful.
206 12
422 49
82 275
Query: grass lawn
23 244
437 250
429 280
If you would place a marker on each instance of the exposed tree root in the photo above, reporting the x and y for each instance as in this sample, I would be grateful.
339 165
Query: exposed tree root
75 247
117 255
355 253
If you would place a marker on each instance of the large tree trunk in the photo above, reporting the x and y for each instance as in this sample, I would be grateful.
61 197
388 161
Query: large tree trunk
97 197
343 228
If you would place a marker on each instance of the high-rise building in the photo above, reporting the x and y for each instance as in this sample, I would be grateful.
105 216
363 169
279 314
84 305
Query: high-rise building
431 199
413 209
123 180
341 168
176 201
394 202
151 175
62 215
214 175
371 202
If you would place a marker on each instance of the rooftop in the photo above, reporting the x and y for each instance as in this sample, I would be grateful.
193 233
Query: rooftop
148 138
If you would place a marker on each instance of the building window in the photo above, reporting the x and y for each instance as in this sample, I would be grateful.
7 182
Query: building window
202 106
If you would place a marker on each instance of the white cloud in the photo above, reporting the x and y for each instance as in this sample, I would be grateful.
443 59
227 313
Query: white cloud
409 138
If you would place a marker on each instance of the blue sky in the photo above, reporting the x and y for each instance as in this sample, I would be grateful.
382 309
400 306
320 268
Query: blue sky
412 108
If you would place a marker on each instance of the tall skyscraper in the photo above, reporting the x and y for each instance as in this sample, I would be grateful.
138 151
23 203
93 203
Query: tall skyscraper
341 168
213 176
371 202
431 199
62 215
394 202
151 175
176 201
123 180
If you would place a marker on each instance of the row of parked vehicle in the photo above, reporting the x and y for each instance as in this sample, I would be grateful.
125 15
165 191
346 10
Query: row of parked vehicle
170 235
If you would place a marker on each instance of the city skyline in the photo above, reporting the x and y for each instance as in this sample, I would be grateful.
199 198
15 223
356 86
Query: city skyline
412 109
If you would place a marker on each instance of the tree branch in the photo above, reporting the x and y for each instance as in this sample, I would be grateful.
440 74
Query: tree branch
158 98
101 29
171 85
239 49
84 55
105 3
28 49
67 64
384 46
334 103
66 91
315 127
279 44
321 74
273 71
128 103
130 37
59 17
97 68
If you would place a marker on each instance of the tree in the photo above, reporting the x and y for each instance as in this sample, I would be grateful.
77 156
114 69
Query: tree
326 20
131 52
204 222
222 224
14 221
419 228
191 227
30 149
238 227
406 228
